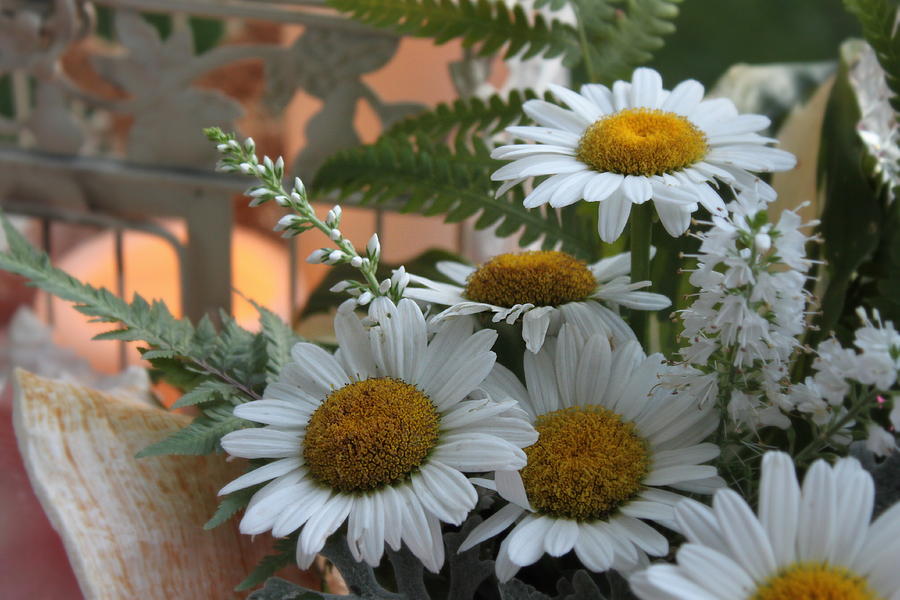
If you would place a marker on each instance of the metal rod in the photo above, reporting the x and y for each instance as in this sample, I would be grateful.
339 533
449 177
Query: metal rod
120 288
293 277
47 246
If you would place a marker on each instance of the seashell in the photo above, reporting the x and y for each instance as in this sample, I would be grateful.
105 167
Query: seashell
132 528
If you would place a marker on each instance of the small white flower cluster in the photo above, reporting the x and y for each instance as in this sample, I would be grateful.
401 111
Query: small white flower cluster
242 158
836 368
742 330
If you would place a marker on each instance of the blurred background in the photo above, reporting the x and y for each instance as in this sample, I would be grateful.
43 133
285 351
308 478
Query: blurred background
103 163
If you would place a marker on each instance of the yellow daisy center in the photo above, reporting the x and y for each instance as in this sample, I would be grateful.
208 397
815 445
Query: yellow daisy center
542 278
815 581
369 434
585 464
642 141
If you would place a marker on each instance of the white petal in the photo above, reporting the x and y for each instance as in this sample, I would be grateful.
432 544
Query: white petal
526 540
779 505
300 510
557 117
547 164
578 103
675 219
646 88
679 474
744 534
600 96
534 327
514 151
856 494
262 442
697 522
401 341
561 537
667 582
275 412
541 381
593 372
546 135
642 509
748 123
511 487
593 547
637 189
571 190
542 193
491 526
458 272
319 373
478 452
818 513
601 185
644 537
613 216
715 572
354 343
451 495
320 525
684 97
264 473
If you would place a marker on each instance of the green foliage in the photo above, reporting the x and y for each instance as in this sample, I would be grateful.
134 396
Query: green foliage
622 34
852 217
229 505
285 548
322 298
465 118
489 24
201 436
216 369
617 34
878 18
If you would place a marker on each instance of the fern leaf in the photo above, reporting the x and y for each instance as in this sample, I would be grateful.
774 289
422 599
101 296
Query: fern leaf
200 437
285 549
487 23
208 391
620 39
230 505
878 19
433 180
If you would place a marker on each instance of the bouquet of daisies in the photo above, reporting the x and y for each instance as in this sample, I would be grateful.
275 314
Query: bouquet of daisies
536 424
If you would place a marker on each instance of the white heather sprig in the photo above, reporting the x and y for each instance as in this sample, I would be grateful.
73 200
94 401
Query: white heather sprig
742 329
864 376
241 158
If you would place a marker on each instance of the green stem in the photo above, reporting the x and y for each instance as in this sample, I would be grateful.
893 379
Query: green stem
859 402
585 47
641 232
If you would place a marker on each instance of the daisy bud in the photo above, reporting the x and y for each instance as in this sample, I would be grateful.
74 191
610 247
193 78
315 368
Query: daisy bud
282 200
249 144
400 278
335 235
318 256
257 192
246 168
235 145
373 248
384 286
222 147
365 298
335 257
260 169
340 286
279 164
762 241
268 163
297 198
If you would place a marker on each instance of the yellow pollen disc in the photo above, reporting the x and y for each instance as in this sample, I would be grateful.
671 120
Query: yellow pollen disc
815 581
369 434
542 278
585 464
642 141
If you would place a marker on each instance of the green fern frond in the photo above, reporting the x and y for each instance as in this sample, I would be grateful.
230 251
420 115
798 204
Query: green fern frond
430 179
487 23
200 437
623 37
285 550
878 18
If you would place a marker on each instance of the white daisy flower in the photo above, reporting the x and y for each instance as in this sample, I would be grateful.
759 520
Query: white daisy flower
610 438
378 435
807 543
544 289
635 143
